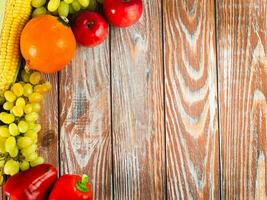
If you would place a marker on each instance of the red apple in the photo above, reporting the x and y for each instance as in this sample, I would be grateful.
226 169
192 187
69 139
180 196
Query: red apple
90 29
123 13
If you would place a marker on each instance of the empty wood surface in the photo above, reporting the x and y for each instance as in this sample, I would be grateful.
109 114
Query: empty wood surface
191 105
173 107
242 66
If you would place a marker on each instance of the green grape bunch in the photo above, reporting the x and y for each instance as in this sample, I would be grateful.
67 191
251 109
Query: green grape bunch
19 127
63 8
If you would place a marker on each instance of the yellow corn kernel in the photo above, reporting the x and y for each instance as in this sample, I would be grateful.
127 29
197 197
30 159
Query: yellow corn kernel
13 16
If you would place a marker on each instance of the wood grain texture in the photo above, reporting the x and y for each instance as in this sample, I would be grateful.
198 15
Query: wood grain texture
85 143
191 100
242 60
137 108
2 195
48 137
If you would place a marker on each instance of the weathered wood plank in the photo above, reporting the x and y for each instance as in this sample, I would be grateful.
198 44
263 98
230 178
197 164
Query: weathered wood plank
48 137
85 143
242 60
137 108
191 100
2 195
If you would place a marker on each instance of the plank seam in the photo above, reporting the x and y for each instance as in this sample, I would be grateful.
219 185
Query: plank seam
218 102
58 113
164 101
111 112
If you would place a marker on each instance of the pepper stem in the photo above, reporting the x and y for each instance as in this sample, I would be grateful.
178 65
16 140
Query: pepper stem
82 185
85 179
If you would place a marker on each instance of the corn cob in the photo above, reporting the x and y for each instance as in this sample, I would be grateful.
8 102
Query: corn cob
13 16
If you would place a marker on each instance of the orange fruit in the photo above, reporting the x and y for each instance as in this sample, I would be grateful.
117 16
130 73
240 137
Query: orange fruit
47 44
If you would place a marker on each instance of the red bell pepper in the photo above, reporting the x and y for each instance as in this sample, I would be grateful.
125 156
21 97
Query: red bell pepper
33 184
72 187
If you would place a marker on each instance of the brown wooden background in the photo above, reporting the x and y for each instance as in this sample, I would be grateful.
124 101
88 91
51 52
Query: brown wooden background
171 108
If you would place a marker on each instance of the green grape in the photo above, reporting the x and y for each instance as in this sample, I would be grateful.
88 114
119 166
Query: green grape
27 90
47 85
76 5
23 126
35 97
17 89
2 161
38 3
24 142
21 83
4 132
25 76
53 5
35 127
17 111
11 167
31 157
72 11
28 108
7 118
93 5
2 145
63 10
20 102
13 129
32 134
31 125
29 150
32 117
10 96
68 1
35 77
39 89
10 144
24 165
84 3
8 105
36 107
39 11
14 152
39 160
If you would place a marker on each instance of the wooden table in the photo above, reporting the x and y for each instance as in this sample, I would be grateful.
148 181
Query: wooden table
171 108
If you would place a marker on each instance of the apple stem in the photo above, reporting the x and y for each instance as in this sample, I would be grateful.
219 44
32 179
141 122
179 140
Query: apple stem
90 24
125 1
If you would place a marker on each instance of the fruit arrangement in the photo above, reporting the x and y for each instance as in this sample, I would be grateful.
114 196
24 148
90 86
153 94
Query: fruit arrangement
40 36
63 8
37 182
